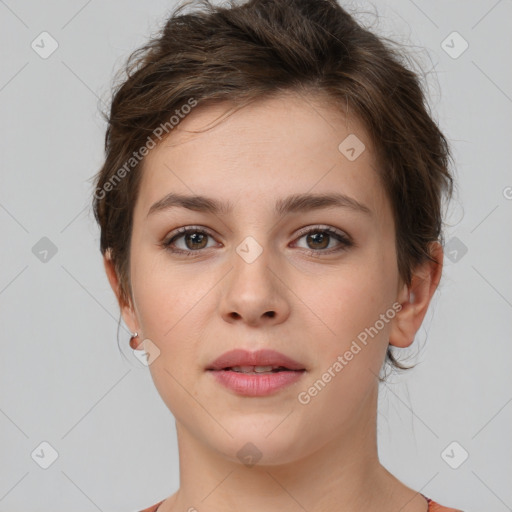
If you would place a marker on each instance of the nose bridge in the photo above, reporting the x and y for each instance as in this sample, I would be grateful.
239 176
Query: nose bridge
252 293
251 277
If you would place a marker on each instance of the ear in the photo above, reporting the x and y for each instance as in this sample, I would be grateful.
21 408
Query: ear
416 298
127 310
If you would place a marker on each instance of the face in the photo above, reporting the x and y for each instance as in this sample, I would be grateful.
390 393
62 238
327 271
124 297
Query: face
307 278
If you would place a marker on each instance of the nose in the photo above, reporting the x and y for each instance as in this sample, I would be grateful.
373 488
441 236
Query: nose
253 294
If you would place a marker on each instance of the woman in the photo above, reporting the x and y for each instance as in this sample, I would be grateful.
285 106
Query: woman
270 214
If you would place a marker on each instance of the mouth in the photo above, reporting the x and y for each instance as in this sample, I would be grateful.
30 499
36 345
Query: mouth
260 361
255 374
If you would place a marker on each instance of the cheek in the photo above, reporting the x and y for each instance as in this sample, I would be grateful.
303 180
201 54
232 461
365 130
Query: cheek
166 301
350 342
358 293
161 297
349 301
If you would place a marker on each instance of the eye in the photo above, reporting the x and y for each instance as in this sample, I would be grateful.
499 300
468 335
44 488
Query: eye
323 240
187 240
319 240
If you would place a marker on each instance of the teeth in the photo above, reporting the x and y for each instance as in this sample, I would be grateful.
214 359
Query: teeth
253 369
262 369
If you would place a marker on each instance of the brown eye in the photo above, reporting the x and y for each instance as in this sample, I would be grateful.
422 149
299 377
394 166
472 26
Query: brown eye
188 240
195 240
324 240
319 240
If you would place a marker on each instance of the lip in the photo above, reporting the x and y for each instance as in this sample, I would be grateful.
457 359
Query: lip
253 384
266 357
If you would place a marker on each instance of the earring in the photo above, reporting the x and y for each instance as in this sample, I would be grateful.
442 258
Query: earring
133 343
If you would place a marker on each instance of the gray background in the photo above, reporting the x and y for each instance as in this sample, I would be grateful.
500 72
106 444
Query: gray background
63 379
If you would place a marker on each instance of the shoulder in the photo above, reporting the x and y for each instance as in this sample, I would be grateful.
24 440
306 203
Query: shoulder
153 507
436 507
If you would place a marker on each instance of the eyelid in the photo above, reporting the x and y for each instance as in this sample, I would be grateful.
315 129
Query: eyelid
344 240
322 227
179 232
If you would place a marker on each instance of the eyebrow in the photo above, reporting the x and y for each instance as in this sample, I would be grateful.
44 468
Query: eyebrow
294 203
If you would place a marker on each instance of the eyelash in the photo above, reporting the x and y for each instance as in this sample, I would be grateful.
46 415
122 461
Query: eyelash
345 241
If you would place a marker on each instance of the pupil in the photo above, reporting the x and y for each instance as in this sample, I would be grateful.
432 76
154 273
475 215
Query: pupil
193 238
323 238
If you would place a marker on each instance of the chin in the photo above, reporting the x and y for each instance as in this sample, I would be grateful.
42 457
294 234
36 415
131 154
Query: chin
259 441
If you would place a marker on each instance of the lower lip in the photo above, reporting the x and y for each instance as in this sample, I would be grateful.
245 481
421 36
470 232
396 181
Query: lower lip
256 385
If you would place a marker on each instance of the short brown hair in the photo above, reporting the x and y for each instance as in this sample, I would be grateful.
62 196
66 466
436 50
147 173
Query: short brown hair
257 49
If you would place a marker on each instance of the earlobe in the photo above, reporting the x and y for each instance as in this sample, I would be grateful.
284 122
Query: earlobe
416 298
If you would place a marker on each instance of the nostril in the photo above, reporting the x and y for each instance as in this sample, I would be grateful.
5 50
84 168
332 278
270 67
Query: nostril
271 314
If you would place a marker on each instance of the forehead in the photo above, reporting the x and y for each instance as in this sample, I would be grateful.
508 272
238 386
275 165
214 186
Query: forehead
267 149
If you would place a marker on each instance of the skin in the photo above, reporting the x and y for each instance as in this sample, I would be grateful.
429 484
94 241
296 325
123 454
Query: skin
320 456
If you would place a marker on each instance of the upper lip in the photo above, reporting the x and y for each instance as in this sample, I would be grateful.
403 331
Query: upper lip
240 357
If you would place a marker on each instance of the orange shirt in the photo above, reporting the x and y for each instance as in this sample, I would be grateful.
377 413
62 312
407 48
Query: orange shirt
432 507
